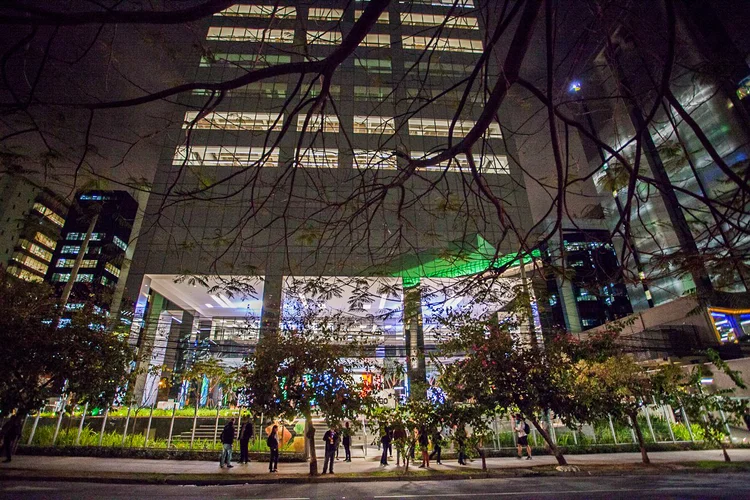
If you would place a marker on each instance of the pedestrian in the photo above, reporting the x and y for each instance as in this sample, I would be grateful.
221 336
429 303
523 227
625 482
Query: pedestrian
11 433
522 432
273 446
390 442
437 445
385 440
246 434
399 436
424 443
337 441
347 440
329 438
227 439
746 418
460 437
413 444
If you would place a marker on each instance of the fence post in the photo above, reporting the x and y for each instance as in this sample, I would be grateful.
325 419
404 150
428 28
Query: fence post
104 424
575 437
239 423
648 420
195 421
612 428
148 427
33 428
216 426
80 425
669 422
687 423
632 431
726 425
552 431
127 422
59 421
171 426
364 433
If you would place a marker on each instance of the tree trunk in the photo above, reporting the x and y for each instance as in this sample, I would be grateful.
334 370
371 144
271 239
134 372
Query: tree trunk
639 435
552 446
726 455
310 436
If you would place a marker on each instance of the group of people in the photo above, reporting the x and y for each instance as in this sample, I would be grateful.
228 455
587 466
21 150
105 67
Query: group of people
423 438
245 435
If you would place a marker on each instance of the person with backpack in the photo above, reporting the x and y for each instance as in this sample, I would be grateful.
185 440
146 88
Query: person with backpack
273 446
522 432
227 439
246 434
437 445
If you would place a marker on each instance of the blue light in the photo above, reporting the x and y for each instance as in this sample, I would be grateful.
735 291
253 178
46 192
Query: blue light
575 87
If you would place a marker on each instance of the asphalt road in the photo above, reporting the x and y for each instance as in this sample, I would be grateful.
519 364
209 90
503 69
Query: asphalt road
630 487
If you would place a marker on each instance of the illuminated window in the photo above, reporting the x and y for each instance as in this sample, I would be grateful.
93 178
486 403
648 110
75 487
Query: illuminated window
324 37
45 240
71 262
419 42
70 249
30 262
319 158
49 214
318 123
434 68
376 66
218 156
244 60
382 19
82 236
112 269
371 92
418 19
257 89
119 243
35 249
65 277
24 274
321 14
373 125
237 34
487 164
259 11
376 40
235 120
439 128
364 159
333 90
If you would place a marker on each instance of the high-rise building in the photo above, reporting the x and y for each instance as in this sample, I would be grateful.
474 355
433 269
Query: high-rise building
109 216
31 218
297 211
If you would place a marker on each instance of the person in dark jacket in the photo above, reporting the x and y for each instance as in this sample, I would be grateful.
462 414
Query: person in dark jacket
331 442
246 434
227 439
460 437
11 433
347 440
273 446
385 440
424 443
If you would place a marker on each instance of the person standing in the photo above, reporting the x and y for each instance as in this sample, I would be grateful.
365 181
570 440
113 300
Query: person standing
399 436
522 432
246 434
347 440
11 433
437 445
273 446
385 440
460 437
424 444
329 438
227 439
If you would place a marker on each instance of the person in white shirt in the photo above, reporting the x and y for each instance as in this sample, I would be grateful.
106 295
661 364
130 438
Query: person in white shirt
522 431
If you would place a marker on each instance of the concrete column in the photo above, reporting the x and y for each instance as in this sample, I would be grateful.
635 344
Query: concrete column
271 314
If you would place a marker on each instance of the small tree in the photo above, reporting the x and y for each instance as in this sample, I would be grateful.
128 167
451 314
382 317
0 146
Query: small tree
306 370
502 371
41 360
708 409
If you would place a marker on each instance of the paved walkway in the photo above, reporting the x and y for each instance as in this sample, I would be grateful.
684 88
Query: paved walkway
83 466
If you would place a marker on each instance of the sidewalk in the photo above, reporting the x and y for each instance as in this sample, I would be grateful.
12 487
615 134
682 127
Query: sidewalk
130 470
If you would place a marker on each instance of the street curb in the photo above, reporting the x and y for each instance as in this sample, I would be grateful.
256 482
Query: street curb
591 470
